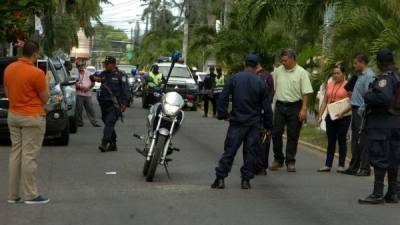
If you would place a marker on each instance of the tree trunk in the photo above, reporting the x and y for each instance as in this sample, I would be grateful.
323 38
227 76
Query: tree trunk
227 12
329 20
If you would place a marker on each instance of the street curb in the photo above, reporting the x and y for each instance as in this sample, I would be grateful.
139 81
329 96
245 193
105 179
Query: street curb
318 148
304 143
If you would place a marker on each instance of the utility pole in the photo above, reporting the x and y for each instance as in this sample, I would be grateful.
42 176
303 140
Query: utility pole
186 31
164 16
147 25
131 36
227 12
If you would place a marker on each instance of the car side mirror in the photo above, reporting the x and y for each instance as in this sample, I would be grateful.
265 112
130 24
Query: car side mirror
69 82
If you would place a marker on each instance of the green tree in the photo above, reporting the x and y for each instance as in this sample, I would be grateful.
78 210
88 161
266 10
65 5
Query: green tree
109 41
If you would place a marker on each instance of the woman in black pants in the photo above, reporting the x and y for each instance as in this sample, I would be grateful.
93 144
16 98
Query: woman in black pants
336 125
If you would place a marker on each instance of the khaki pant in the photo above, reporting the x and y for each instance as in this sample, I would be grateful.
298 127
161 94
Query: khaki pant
27 133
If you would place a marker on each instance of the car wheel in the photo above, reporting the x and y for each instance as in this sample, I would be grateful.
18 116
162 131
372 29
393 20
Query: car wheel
64 139
73 126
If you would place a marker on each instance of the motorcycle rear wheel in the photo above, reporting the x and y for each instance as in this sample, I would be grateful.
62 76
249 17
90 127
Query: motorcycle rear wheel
155 159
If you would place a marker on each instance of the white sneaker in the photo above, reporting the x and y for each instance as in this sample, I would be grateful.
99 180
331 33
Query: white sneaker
15 201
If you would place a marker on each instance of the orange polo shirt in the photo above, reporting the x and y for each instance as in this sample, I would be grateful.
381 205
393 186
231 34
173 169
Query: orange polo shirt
24 81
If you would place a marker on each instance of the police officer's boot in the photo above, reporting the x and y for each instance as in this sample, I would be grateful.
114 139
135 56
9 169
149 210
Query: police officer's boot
246 184
104 145
376 197
112 147
398 189
219 183
391 195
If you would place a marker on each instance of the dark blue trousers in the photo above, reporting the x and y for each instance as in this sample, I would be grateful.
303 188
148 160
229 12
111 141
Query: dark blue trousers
237 135
110 118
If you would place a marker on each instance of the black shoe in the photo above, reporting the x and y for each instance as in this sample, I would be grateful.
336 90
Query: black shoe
349 172
96 125
80 125
261 172
112 147
363 173
104 146
37 200
372 200
246 184
219 183
389 198
205 116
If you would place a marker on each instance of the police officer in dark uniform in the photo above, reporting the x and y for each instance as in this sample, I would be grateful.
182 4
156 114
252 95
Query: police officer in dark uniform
383 129
249 98
113 99
265 141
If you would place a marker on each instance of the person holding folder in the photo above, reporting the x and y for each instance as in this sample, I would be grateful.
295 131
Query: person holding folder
338 118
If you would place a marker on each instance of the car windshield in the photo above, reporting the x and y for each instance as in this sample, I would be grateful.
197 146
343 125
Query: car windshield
60 74
202 76
125 68
178 72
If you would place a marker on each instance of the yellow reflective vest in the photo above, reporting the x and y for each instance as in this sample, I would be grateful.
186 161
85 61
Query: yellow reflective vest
220 82
157 79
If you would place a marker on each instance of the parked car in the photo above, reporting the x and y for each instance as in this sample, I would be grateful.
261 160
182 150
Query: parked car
91 69
181 81
69 92
126 69
200 79
57 120
97 84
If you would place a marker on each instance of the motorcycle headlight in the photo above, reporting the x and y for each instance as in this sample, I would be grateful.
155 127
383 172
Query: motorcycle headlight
131 80
170 110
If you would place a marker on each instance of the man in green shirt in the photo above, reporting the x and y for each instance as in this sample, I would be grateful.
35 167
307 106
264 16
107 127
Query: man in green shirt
292 86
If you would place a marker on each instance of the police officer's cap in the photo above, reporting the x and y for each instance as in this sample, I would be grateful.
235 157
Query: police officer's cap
110 60
385 56
251 59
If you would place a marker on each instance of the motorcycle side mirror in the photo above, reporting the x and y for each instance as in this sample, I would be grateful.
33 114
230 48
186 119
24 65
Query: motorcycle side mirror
69 82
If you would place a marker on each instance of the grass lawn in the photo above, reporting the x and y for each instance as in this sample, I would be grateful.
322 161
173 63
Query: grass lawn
313 135
310 133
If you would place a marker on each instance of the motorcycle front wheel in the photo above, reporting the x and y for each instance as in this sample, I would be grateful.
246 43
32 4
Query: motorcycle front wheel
146 167
155 159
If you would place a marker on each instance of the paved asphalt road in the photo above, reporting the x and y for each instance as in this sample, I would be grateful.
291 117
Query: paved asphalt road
82 194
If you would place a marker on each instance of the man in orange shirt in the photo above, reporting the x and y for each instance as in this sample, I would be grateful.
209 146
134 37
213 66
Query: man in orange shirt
27 90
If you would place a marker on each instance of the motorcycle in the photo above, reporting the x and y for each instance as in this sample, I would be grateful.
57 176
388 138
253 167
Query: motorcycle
163 122
135 88
151 96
